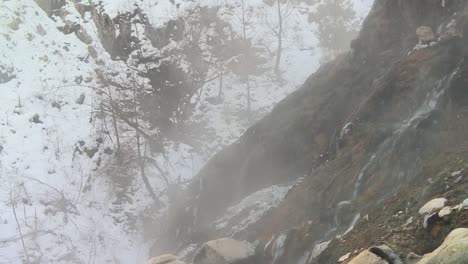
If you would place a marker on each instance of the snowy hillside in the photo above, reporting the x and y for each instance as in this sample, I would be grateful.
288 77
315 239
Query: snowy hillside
60 187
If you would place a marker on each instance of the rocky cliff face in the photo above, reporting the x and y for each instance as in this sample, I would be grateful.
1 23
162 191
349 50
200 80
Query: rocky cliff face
377 131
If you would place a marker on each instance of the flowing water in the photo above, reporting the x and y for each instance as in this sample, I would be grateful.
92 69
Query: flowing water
382 156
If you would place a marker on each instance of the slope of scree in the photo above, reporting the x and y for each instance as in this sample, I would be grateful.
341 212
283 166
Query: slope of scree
361 128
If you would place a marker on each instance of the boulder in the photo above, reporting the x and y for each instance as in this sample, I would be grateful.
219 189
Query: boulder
367 257
433 206
425 34
225 251
454 250
163 259
377 255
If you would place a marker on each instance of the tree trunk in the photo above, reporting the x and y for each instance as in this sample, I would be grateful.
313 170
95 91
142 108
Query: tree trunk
280 39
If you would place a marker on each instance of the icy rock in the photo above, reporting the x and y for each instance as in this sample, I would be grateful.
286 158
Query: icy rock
454 250
344 257
225 251
163 259
432 206
425 34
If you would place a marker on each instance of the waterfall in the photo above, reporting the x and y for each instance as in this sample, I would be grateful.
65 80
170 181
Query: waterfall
430 104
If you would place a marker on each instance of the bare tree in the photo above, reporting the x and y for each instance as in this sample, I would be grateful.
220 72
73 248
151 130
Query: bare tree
247 81
283 9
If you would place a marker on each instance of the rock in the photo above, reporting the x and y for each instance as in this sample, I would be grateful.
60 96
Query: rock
367 257
386 253
40 30
412 258
377 255
36 119
425 34
344 257
80 99
447 210
464 205
433 206
454 250
92 51
430 221
82 35
225 251
163 259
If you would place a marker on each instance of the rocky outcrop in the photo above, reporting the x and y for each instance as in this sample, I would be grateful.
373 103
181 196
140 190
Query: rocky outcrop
454 250
408 116
165 259
225 251
425 34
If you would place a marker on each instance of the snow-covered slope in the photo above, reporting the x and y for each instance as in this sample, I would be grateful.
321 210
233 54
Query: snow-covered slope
48 189
57 199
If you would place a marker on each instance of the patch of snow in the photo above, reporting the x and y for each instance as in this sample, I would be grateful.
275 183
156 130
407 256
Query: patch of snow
278 250
252 208
318 249
344 257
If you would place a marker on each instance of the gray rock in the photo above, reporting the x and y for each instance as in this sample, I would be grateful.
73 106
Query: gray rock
225 251
80 99
454 250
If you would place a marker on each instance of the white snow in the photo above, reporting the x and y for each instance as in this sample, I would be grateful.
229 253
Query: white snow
344 257
318 249
278 250
63 200
251 209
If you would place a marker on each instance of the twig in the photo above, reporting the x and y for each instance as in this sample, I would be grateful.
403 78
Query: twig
19 228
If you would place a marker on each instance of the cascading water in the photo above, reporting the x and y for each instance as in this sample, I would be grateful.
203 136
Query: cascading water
384 150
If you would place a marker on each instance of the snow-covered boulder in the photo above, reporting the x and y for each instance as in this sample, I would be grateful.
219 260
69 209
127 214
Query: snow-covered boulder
225 251
432 206
425 34
454 250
